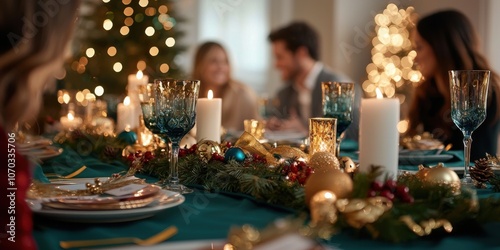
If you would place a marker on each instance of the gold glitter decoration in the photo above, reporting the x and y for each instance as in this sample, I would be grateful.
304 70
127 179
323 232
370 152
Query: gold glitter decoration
426 227
323 161
322 135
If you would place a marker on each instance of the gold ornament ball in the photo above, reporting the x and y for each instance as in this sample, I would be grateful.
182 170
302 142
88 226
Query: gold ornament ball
442 175
206 148
332 180
347 165
422 173
324 161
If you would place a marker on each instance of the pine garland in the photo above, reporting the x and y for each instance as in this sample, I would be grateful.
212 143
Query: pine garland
269 184
264 183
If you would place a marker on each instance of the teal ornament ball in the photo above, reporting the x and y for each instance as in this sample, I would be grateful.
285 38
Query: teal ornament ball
234 153
128 137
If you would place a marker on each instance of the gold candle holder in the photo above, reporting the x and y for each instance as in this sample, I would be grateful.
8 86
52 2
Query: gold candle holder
257 128
322 135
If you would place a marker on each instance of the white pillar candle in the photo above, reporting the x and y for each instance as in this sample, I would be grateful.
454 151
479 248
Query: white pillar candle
125 116
70 122
134 81
208 118
379 137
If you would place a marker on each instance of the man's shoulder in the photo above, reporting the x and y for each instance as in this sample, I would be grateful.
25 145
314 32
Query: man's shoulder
327 74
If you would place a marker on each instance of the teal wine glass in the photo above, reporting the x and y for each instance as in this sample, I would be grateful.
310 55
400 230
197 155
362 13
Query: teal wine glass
338 99
169 110
469 93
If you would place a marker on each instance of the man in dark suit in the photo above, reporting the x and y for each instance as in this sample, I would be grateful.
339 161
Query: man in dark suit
296 51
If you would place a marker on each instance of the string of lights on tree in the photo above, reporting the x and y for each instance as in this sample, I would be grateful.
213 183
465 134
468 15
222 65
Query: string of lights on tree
119 38
392 69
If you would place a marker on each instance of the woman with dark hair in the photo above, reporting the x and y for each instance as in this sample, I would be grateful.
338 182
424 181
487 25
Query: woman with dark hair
447 41
212 68
34 36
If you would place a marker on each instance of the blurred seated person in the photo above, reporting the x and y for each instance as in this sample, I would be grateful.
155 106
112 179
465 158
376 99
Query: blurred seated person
296 53
30 55
447 41
212 68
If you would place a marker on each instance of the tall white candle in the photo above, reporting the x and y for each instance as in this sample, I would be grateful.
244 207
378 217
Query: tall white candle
379 137
125 116
134 81
208 118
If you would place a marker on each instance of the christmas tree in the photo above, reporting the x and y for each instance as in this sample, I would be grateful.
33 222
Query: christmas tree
117 38
392 69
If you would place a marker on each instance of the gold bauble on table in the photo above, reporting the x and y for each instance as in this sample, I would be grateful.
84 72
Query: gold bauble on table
324 161
332 180
422 172
440 175
206 148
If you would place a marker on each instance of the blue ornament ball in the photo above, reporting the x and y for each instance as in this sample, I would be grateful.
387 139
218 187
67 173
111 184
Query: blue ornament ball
235 153
128 137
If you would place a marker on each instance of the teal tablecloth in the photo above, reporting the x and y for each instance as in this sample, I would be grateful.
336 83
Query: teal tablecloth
210 216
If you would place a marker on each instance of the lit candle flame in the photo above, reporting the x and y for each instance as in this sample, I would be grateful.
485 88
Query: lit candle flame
126 101
139 74
71 117
66 98
379 93
210 94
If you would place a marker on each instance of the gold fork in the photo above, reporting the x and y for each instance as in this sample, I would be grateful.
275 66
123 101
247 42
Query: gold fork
155 239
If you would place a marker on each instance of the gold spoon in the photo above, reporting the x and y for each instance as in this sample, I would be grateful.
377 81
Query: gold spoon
155 239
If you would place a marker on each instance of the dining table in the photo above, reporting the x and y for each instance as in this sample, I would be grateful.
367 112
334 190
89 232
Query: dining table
206 217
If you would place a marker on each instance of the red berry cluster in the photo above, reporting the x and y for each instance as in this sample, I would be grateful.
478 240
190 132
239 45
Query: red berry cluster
297 171
217 157
144 158
188 151
256 158
391 190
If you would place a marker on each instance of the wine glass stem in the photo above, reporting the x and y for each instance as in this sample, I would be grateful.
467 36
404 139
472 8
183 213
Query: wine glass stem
467 146
174 170
339 140
337 147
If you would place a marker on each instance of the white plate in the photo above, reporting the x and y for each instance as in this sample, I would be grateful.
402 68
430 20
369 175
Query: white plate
106 216
423 159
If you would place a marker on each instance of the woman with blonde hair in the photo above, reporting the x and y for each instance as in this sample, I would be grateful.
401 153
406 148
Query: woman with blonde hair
33 38
447 41
212 68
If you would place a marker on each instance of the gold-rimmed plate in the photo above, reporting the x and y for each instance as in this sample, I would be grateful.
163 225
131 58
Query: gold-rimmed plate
169 200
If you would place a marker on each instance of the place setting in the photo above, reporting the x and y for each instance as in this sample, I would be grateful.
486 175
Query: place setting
115 199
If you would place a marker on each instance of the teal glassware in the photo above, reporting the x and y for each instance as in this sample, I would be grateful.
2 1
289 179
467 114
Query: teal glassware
338 99
469 95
